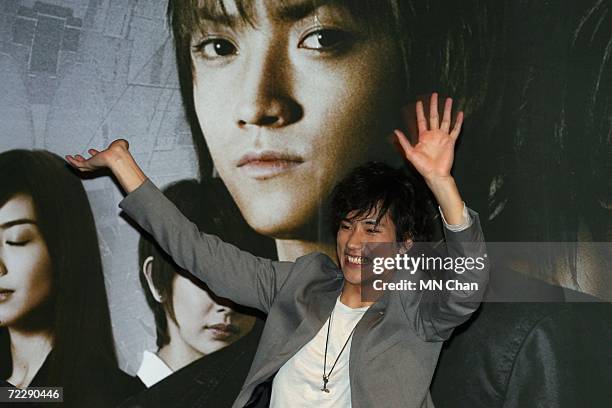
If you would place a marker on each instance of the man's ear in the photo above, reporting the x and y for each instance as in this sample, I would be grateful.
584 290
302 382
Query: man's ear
147 269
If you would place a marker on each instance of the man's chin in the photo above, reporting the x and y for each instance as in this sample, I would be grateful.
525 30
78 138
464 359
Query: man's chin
278 222
352 277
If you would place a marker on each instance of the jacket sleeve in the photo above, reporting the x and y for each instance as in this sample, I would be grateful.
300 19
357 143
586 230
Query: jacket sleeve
439 311
558 366
228 271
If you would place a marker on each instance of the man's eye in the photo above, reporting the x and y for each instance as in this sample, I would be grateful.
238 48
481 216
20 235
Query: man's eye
345 226
215 48
324 39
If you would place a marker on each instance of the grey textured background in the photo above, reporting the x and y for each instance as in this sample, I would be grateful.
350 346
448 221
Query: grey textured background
76 74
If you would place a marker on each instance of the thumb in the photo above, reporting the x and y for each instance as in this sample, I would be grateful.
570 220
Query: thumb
120 143
405 144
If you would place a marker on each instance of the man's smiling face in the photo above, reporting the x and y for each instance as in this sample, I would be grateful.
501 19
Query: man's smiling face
353 234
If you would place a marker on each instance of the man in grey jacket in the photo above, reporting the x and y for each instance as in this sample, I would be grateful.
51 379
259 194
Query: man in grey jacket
324 344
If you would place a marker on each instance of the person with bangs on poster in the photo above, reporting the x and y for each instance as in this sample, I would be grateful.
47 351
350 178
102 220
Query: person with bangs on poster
286 97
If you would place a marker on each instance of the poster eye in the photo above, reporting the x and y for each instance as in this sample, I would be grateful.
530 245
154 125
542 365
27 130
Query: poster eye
324 39
216 47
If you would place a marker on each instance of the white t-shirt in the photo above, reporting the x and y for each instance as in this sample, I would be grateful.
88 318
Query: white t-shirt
299 381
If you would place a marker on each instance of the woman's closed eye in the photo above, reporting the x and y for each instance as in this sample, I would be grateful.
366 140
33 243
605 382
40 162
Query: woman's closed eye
17 242
19 236
327 39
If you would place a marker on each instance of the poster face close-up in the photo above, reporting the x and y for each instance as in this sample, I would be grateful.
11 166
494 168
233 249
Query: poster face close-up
233 203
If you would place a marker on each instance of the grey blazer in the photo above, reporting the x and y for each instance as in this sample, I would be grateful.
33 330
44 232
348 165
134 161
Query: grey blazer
395 345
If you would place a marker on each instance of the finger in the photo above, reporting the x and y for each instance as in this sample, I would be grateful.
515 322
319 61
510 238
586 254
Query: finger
76 160
421 121
403 141
457 128
434 120
446 118
76 164
70 160
93 152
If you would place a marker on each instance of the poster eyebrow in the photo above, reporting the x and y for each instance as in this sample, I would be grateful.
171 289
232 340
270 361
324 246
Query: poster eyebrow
19 221
297 10
285 11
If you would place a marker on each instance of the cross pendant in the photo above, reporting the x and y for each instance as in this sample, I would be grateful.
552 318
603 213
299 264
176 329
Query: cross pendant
325 381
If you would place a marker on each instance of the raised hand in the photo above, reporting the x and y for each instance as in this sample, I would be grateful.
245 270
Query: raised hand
115 157
98 159
434 152
433 156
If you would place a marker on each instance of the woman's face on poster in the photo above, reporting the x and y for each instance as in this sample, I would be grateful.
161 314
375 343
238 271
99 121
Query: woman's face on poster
291 103
204 324
25 265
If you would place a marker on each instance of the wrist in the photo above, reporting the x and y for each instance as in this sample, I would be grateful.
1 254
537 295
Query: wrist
447 195
436 183
118 158
124 168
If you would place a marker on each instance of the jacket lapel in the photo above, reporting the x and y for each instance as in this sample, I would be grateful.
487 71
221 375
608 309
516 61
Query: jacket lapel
374 316
319 308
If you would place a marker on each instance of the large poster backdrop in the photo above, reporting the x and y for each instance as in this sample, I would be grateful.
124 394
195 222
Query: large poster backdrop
207 96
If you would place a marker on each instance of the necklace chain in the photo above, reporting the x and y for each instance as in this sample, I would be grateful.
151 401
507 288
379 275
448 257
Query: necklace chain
326 376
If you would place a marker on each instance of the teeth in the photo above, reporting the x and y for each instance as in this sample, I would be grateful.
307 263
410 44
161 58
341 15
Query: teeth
356 259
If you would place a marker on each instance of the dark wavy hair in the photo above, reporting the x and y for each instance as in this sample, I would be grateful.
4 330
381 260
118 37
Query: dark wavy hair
537 165
80 317
378 186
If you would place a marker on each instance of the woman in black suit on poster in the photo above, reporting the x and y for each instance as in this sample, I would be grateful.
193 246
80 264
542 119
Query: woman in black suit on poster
54 320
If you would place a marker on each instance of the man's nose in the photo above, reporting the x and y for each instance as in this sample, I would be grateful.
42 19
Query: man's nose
355 240
265 98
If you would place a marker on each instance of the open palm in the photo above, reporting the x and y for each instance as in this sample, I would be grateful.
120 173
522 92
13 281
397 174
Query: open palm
434 152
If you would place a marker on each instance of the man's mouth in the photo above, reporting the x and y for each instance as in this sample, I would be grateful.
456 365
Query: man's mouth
267 164
357 260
